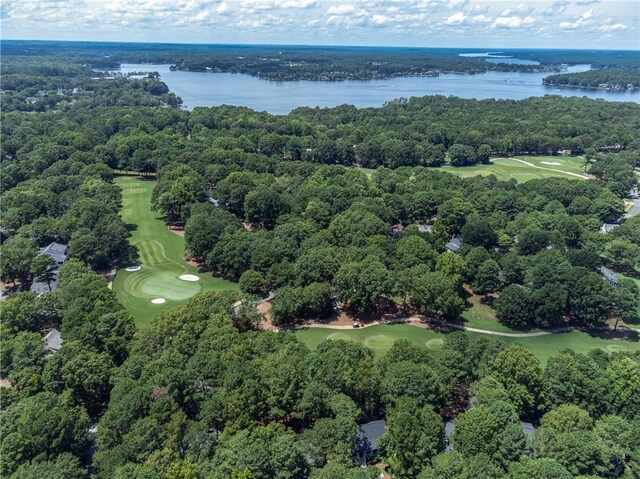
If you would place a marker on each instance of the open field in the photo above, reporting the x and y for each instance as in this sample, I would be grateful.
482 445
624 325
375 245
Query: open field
381 338
161 253
518 169
482 316
508 168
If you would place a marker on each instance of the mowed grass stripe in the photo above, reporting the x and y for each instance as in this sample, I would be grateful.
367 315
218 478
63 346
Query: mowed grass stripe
161 256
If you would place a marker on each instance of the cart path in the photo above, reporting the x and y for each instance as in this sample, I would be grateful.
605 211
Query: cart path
420 323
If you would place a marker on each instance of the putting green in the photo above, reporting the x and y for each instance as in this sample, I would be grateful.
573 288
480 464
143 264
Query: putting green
153 284
161 253
434 344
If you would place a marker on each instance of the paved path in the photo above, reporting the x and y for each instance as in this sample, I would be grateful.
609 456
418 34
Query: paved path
635 209
584 177
418 322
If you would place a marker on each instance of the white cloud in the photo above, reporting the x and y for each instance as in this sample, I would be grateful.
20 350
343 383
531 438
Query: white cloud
455 19
278 4
480 19
612 27
588 2
556 8
379 19
583 21
223 8
453 4
343 9
513 21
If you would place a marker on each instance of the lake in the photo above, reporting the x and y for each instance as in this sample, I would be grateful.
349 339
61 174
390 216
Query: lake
212 89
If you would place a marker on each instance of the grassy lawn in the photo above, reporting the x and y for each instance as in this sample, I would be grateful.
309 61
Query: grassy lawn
508 168
381 338
482 316
161 253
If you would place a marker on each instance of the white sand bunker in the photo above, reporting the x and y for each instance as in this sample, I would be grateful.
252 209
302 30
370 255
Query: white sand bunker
189 277
135 267
554 163
158 301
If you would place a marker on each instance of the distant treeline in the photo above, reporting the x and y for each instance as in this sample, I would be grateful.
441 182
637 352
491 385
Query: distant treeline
626 79
40 83
312 62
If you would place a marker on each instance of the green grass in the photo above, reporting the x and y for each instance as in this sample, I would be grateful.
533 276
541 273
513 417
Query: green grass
483 316
508 168
161 253
381 338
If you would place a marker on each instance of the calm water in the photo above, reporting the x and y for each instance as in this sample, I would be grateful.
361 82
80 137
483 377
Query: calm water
212 89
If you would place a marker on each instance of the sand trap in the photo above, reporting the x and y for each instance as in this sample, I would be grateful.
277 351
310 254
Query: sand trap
554 163
189 277
133 268
158 301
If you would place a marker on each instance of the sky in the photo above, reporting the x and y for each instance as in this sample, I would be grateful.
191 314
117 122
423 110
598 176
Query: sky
598 24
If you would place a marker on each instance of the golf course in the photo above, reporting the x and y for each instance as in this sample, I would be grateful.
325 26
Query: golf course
380 338
157 284
521 168
525 168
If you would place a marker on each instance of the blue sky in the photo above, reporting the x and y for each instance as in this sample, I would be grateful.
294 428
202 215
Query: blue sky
422 23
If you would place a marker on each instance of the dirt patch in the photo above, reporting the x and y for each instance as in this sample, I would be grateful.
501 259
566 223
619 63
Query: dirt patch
4 285
177 230
4 382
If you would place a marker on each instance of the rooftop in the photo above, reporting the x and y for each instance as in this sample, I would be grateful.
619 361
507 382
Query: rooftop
370 433
57 251
454 245
608 275
53 341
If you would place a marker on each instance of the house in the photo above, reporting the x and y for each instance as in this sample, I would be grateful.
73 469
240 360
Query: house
368 437
41 287
454 245
608 227
57 251
214 201
53 341
397 231
448 431
424 228
527 428
609 276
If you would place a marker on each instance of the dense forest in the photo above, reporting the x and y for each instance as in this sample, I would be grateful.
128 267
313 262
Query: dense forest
622 79
198 396
202 394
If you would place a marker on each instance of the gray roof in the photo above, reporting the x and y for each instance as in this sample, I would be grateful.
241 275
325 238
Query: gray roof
607 227
53 341
608 275
370 433
527 428
57 251
454 245
42 287
448 431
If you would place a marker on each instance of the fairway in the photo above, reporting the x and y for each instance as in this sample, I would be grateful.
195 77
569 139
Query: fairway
161 259
513 168
380 339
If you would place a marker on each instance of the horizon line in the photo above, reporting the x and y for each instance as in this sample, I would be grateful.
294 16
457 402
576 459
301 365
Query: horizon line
319 45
